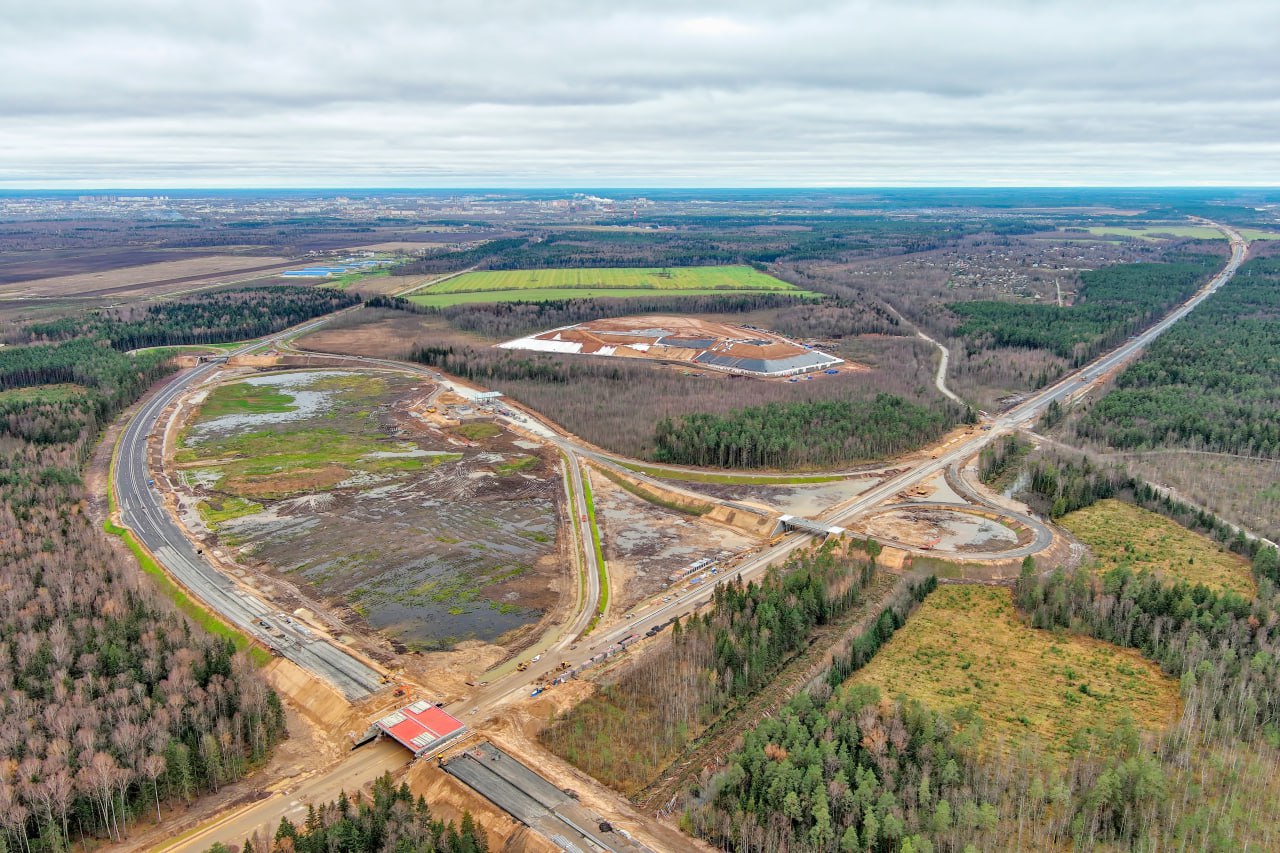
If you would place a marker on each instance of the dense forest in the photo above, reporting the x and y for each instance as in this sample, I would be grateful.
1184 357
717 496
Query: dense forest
1114 303
802 434
1210 382
628 731
617 403
215 317
391 819
111 701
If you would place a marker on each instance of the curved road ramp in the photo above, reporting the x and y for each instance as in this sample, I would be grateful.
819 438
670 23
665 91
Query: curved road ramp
535 802
143 511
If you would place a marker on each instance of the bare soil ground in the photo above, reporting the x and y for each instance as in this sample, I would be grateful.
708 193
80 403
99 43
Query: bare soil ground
807 499
944 530
449 671
668 338
380 333
645 543
162 277
30 264
396 522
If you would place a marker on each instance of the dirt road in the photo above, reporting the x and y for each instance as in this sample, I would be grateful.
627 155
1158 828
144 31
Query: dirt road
359 768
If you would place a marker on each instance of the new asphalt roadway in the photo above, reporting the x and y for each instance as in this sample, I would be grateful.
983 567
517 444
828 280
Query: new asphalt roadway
142 510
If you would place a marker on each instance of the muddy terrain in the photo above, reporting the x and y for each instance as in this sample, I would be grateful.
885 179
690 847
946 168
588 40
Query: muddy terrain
806 499
347 484
644 544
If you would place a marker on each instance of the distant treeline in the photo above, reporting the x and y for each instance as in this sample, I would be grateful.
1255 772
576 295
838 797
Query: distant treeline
1115 302
1212 382
711 241
215 317
800 316
447 261
803 434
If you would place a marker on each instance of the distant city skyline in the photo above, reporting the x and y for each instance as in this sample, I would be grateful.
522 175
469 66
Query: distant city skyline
570 94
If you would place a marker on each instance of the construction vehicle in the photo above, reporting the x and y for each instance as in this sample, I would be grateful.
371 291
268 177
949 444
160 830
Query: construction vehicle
928 546
431 410
522 666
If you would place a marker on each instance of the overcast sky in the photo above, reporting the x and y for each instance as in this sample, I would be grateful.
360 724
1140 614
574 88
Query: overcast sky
650 93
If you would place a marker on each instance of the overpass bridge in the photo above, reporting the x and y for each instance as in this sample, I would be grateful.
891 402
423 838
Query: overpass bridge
789 523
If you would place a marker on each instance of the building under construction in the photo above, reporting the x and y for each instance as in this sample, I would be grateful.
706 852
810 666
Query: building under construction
717 346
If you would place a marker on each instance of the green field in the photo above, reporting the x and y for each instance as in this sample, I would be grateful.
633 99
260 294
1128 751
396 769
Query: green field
241 398
551 284
60 393
1157 232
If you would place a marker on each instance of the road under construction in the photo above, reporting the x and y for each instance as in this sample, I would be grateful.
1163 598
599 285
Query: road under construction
143 510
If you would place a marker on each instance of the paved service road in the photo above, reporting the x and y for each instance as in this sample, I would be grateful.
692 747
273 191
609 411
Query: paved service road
142 510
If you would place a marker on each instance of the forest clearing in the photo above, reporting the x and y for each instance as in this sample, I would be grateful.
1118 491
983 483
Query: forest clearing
966 647
1121 534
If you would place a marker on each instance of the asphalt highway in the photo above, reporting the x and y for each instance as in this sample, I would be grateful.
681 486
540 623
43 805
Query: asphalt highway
142 510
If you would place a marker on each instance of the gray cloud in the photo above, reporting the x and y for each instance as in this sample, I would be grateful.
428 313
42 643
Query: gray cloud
131 92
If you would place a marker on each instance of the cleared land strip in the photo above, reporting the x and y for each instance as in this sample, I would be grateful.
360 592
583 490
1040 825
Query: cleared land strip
720 738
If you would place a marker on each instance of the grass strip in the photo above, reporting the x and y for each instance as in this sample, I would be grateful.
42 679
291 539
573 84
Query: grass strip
730 479
595 542
644 494
185 603
573 503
